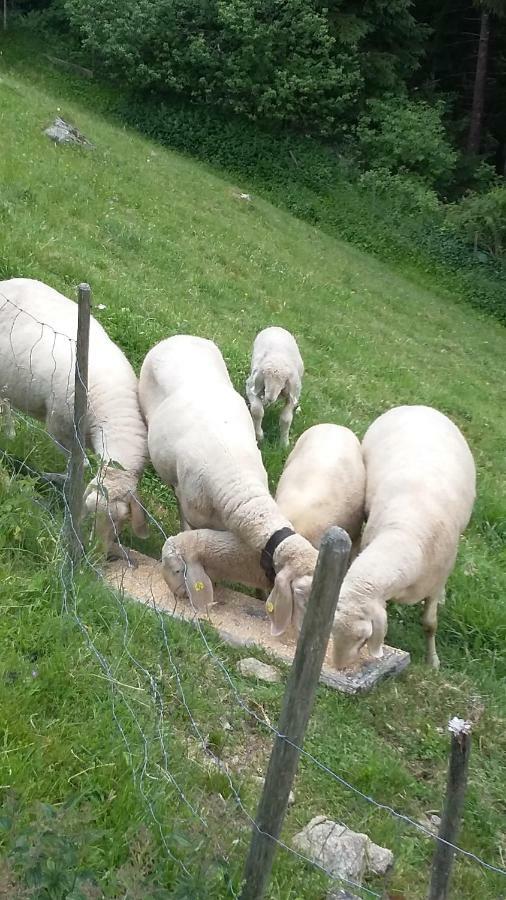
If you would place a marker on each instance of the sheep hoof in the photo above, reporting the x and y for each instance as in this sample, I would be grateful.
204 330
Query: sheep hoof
433 661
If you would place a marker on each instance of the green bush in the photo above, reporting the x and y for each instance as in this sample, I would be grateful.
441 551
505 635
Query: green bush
406 194
481 218
269 59
401 135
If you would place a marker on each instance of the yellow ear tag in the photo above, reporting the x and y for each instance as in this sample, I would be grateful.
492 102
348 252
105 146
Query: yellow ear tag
269 607
199 586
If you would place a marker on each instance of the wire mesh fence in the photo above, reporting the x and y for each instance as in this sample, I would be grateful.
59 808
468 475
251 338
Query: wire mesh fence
143 713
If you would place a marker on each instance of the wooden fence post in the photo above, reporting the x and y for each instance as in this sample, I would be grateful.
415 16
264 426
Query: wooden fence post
442 862
74 485
297 705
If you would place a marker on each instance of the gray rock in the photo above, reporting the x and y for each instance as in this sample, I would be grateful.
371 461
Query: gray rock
253 668
345 854
379 859
62 133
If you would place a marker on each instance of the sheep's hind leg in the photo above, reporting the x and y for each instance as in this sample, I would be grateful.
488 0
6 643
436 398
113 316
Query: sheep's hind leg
429 623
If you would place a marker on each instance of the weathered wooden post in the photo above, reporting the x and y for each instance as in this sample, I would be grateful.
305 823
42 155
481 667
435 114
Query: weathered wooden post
454 802
74 484
297 705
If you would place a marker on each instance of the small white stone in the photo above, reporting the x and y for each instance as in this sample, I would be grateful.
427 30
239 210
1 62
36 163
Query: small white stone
253 668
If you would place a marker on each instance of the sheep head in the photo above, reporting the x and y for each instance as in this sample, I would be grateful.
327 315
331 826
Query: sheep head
356 624
184 576
112 500
295 562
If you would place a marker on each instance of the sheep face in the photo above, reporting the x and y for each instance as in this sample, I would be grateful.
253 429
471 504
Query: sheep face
113 504
187 579
355 627
287 601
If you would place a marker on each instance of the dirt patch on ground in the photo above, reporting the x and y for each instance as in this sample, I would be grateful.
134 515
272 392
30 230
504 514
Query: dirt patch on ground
242 621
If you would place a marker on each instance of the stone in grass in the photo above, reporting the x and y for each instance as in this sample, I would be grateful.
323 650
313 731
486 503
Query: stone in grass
62 133
253 668
345 854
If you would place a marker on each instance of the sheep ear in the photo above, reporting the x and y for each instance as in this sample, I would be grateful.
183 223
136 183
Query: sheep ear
280 605
379 629
137 517
200 586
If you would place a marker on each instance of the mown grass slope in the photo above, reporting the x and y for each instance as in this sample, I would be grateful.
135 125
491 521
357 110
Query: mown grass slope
169 247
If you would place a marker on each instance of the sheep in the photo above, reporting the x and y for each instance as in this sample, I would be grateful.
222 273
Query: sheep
322 484
193 560
421 484
202 442
276 371
38 329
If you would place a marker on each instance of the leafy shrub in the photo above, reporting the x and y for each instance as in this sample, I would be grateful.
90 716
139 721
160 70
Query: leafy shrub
401 135
407 194
481 218
266 59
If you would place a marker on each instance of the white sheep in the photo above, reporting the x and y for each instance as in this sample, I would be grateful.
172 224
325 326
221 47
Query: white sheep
202 442
420 492
38 329
322 484
276 371
193 560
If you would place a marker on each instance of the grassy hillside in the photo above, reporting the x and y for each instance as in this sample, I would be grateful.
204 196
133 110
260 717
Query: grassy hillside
169 247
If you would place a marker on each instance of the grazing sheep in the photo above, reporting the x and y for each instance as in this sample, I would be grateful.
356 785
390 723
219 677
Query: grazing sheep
323 484
202 442
276 371
419 498
38 328
193 560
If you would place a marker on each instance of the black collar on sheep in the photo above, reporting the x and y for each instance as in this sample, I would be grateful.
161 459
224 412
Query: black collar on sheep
267 554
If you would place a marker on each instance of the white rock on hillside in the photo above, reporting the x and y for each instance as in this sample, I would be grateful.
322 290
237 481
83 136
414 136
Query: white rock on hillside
253 668
345 854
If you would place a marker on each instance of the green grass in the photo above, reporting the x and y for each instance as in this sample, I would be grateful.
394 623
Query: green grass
168 247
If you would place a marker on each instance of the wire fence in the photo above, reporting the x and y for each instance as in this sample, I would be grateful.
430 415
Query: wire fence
155 763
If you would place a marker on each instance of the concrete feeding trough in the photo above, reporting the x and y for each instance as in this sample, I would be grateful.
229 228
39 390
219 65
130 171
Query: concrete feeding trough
242 621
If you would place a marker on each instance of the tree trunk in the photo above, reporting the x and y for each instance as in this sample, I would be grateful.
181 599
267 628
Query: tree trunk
474 137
